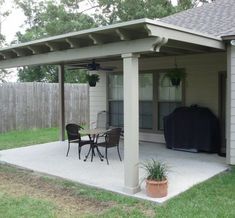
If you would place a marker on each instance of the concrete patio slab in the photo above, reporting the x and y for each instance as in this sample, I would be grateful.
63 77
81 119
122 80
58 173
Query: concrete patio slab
186 169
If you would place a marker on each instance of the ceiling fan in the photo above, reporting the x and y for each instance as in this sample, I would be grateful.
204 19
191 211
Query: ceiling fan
92 66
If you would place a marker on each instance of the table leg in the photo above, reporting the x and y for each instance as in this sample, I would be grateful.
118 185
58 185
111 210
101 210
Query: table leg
93 146
92 152
99 153
90 149
88 153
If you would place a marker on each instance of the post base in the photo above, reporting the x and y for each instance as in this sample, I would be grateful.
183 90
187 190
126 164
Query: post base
132 190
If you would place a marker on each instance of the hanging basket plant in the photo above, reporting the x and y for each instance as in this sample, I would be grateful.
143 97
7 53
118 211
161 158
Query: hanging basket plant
92 79
176 75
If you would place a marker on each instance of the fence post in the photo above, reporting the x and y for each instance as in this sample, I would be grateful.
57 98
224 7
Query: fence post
61 102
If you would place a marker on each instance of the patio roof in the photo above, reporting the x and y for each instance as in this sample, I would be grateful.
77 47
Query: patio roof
129 41
138 36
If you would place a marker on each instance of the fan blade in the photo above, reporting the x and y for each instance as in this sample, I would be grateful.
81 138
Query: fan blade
107 68
78 65
93 66
75 68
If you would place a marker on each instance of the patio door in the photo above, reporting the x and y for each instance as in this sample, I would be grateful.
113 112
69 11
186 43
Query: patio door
222 110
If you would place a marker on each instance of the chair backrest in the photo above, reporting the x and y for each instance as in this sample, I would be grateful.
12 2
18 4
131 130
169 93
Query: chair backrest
113 137
73 131
102 120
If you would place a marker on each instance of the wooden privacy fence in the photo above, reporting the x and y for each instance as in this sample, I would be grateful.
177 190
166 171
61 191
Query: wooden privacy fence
36 105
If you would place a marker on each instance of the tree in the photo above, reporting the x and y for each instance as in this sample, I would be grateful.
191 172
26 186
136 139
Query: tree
187 4
49 74
47 18
3 16
114 11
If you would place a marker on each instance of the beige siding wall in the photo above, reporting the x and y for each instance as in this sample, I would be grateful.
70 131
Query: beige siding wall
98 98
231 106
201 85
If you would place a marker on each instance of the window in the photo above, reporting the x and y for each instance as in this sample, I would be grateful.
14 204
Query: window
146 101
145 104
116 100
162 100
169 98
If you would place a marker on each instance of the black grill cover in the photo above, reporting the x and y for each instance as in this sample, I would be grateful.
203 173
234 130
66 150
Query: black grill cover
192 128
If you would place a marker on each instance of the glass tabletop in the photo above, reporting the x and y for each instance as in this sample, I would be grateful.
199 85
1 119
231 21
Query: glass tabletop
93 131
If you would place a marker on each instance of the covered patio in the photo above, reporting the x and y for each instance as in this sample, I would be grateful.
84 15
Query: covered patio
131 46
186 169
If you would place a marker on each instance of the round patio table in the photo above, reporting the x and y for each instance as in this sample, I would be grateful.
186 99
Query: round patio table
93 135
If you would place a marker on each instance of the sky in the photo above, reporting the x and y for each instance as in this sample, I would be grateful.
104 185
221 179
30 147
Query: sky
14 22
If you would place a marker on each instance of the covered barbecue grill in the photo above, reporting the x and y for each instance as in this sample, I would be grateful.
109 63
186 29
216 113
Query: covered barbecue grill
192 128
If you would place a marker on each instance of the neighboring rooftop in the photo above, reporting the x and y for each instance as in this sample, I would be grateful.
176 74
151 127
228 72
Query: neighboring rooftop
215 18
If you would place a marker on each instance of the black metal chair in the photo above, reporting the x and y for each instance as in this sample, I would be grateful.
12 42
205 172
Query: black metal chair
75 137
102 121
112 138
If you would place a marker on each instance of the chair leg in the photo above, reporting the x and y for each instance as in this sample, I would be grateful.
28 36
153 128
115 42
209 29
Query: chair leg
119 153
106 155
68 149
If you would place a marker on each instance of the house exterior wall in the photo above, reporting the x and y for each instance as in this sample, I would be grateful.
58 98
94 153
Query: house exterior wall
201 83
230 127
98 98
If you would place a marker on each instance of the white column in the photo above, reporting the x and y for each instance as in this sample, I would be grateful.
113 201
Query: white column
230 118
61 102
131 123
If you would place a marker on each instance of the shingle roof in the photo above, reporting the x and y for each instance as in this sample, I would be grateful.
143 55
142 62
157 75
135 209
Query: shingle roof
217 18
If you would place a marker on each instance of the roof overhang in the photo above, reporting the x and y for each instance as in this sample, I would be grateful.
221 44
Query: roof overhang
138 36
230 39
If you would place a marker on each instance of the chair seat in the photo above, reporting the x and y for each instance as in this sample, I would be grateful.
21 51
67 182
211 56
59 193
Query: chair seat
74 141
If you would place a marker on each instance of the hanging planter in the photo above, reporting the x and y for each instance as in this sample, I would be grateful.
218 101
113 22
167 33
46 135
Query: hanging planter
92 79
176 75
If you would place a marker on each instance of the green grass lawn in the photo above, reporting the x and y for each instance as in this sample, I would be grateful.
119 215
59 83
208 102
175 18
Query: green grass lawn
28 137
26 194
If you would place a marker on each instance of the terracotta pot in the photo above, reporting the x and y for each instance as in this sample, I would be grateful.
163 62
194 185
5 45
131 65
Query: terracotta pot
156 189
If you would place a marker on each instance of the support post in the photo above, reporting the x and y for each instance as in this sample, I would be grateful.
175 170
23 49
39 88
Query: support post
230 111
131 123
61 102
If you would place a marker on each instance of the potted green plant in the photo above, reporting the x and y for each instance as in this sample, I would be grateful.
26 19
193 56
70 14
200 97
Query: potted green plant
92 79
176 75
156 178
